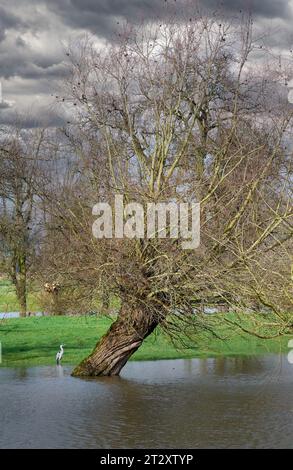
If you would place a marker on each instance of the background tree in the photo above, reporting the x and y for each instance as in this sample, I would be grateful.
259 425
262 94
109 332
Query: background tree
20 170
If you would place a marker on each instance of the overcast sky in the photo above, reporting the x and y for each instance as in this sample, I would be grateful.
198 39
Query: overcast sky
33 35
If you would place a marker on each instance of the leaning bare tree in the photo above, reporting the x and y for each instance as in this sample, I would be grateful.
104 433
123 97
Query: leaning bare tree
179 112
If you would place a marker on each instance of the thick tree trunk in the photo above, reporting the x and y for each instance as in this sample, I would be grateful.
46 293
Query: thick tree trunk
21 295
105 302
56 303
20 284
124 337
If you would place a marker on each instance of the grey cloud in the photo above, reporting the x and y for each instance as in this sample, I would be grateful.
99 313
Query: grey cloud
20 42
18 59
2 34
40 63
262 8
32 118
11 66
8 21
4 105
99 15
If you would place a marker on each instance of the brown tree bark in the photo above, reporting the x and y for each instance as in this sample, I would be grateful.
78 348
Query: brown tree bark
21 294
124 337
19 280
105 301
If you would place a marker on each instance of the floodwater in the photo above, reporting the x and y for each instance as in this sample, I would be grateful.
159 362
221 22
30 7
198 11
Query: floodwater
201 403
6 315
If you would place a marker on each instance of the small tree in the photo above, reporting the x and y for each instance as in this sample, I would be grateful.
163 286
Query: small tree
20 157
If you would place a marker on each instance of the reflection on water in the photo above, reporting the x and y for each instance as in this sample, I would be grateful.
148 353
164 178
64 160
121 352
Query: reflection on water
6 315
222 403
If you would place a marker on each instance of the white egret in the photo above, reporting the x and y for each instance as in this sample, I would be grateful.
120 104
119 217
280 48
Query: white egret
59 354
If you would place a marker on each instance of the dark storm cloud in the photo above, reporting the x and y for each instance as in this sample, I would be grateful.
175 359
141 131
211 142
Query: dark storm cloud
7 21
99 15
32 32
32 118
261 8
32 67
20 42
4 105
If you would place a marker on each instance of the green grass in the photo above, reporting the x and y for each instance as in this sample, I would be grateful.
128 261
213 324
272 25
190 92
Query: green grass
35 340
8 300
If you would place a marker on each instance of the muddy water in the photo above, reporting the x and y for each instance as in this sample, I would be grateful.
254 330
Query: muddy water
202 403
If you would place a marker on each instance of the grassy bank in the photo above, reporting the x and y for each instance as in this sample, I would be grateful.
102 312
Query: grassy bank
35 341
8 300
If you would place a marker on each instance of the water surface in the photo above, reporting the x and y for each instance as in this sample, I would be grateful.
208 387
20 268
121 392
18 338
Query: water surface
199 403
6 315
